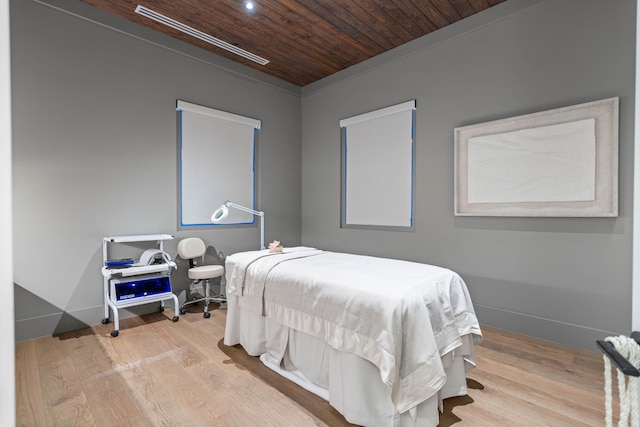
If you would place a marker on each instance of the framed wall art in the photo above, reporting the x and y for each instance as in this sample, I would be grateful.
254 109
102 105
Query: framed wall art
556 163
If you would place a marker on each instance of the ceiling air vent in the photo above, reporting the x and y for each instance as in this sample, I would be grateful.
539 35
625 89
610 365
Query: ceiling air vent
158 17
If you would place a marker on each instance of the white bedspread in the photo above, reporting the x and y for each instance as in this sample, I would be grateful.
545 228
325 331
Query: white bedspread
402 316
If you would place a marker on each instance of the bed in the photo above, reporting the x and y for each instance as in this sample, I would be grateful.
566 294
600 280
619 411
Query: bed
384 341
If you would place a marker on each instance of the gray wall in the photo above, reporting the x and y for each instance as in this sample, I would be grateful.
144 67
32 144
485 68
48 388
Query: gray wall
95 151
94 154
563 279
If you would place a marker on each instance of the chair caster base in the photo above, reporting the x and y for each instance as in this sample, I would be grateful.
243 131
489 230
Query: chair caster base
175 318
115 333
206 314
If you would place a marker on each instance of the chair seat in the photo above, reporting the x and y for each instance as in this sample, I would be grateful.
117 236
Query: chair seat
206 272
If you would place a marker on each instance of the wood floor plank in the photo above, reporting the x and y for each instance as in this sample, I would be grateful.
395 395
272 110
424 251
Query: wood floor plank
471 414
65 403
187 390
544 366
569 393
542 405
104 388
159 372
28 391
154 400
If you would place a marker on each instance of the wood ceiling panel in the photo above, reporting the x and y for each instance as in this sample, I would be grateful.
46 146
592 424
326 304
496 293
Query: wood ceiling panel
304 40
355 22
416 16
464 7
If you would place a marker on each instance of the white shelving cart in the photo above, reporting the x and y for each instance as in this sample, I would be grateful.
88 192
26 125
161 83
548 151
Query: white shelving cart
133 284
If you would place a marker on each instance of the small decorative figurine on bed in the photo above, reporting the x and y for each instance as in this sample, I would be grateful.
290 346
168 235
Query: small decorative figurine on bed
275 247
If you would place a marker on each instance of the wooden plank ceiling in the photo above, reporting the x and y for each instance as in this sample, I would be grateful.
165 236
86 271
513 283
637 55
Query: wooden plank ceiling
303 40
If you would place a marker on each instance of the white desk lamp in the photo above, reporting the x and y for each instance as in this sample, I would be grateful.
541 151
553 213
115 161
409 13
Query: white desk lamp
223 211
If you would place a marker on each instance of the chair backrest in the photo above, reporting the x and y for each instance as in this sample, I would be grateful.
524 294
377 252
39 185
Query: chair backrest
191 247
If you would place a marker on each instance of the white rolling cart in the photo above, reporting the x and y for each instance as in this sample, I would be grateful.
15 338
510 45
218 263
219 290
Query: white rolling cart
135 283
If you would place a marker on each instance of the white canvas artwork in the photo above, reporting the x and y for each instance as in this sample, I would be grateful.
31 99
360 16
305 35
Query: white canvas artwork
560 162
545 164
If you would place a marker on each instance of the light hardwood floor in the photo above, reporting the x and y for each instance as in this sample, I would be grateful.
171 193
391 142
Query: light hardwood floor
160 373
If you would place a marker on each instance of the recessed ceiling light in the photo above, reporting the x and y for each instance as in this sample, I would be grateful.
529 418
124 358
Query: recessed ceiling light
249 5
158 17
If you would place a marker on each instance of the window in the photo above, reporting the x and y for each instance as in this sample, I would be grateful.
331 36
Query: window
378 168
217 163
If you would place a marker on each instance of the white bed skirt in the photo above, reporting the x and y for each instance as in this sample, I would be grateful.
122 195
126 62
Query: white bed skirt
351 384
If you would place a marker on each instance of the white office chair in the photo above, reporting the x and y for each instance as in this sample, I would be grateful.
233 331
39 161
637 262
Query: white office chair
191 249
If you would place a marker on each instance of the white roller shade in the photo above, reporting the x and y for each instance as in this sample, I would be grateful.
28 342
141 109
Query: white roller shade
378 167
217 153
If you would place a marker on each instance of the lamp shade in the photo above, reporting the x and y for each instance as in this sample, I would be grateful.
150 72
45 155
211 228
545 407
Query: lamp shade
219 214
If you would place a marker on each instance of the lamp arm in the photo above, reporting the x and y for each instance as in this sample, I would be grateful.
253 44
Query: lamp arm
251 211
243 208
